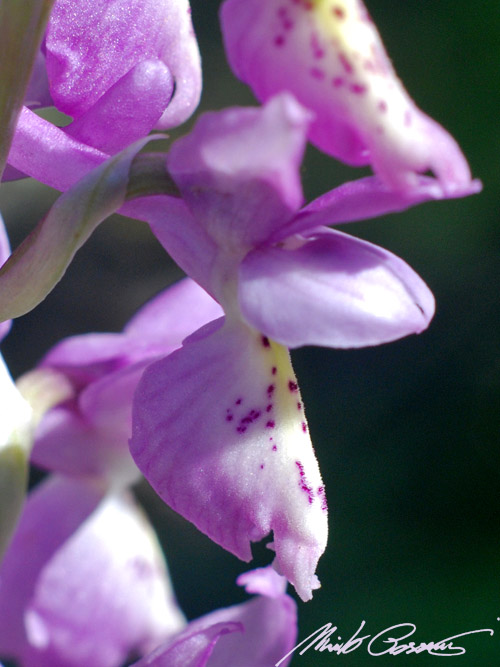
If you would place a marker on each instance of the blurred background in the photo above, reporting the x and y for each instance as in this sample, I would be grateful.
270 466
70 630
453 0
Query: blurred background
407 434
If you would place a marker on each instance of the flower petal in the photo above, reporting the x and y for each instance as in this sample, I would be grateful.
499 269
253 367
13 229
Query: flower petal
89 436
219 431
128 110
45 152
330 56
238 170
365 198
91 44
333 290
104 548
174 314
253 634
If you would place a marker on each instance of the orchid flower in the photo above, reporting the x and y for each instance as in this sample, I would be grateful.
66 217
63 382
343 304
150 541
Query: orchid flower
118 69
86 434
329 54
96 591
219 428
253 634
84 581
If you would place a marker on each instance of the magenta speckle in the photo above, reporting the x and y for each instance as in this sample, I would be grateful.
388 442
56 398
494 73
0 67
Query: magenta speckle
241 429
269 407
317 73
338 81
229 418
238 401
270 390
348 68
299 406
304 427
338 12
357 88
303 482
275 449
322 496
274 370
279 40
293 386
262 466
265 341
270 424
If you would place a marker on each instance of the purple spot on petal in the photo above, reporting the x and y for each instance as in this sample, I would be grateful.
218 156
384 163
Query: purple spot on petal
270 424
269 407
279 40
275 449
241 429
338 81
293 386
274 370
344 61
299 406
303 482
265 341
229 418
304 427
357 88
338 12
270 390
322 496
317 73
262 466
238 401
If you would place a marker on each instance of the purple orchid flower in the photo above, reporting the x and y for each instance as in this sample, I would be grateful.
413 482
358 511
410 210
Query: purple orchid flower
257 633
218 427
96 591
84 581
118 69
86 434
329 54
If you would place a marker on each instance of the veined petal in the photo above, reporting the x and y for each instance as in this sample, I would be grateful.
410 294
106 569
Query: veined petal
219 431
128 110
330 56
91 543
333 290
253 634
238 170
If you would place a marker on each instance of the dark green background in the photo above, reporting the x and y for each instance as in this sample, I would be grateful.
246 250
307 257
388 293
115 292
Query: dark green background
407 434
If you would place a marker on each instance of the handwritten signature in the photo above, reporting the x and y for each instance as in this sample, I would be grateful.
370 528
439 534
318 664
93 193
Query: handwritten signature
390 641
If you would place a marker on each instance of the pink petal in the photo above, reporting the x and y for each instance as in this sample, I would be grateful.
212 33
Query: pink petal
94 589
366 198
332 290
331 57
219 431
128 110
257 633
238 171
91 44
